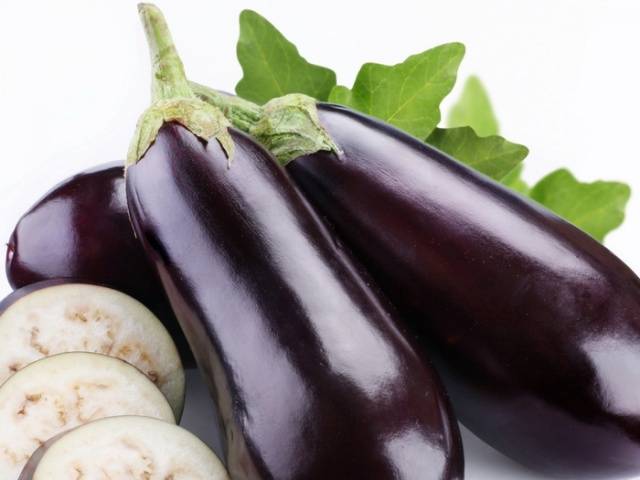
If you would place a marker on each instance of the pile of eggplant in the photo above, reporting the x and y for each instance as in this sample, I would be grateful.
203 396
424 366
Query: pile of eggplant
319 295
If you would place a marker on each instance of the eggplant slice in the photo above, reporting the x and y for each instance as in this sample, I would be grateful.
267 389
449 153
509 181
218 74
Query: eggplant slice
61 392
124 448
54 317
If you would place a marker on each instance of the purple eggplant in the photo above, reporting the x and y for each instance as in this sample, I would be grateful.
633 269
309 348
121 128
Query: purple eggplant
80 230
533 324
312 378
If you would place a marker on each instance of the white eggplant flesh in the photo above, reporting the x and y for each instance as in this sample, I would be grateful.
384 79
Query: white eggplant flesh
54 317
126 448
61 392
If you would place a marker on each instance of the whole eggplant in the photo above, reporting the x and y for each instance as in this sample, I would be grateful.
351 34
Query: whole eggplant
533 324
80 230
312 378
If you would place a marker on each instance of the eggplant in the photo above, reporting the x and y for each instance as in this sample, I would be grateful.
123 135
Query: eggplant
311 376
131 447
61 392
534 325
80 230
56 316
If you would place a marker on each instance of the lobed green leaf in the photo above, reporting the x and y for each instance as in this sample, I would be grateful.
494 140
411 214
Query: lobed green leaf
494 156
597 207
273 67
473 109
407 95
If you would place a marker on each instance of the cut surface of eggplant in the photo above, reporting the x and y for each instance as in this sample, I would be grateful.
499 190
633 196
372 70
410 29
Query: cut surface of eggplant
54 317
61 392
125 448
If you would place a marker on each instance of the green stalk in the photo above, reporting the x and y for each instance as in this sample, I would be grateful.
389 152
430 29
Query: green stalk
173 98
168 78
243 114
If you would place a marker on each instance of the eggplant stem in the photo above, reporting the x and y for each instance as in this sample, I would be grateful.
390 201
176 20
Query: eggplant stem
242 114
173 99
288 126
169 80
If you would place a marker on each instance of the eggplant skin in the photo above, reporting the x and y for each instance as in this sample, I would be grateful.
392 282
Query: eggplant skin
31 466
20 293
534 326
312 378
80 230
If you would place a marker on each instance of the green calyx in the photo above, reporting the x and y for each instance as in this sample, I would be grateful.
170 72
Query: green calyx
202 119
288 126
173 98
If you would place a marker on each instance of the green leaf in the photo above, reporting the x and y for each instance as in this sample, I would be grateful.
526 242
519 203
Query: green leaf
514 181
272 66
597 208
494 156
408 94
474 110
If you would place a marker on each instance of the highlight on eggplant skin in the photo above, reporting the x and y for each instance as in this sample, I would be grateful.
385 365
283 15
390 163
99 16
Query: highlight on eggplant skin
534 325
80 230
125 447
312 378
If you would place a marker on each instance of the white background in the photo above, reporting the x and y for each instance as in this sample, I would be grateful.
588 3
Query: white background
564 77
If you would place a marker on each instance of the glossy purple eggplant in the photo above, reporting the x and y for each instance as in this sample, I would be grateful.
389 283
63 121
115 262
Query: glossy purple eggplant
312 377
80 230
534 325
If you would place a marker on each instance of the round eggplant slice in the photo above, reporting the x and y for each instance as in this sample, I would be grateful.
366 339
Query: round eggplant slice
54 317
124 448
58 393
